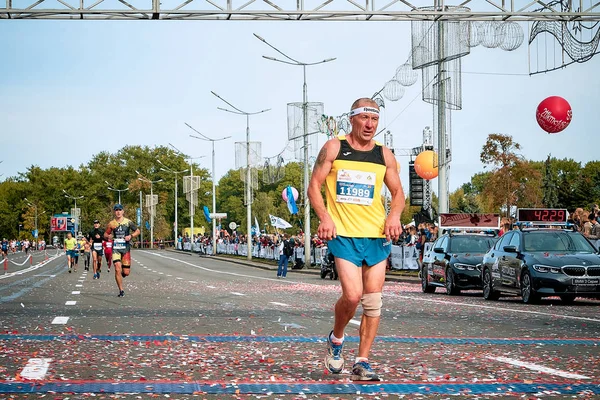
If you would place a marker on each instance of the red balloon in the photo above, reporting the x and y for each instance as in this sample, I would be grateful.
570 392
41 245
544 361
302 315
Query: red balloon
554 114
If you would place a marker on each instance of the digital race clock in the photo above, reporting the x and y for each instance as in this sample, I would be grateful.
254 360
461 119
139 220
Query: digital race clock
542 215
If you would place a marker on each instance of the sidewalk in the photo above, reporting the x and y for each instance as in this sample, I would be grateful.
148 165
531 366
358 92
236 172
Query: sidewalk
390 276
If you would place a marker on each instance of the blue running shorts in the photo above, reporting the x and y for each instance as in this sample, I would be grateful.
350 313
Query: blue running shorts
360 251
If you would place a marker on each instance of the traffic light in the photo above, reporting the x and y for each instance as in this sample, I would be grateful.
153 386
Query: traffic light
416 183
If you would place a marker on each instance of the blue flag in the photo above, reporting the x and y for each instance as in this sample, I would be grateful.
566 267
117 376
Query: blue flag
207 214
291 203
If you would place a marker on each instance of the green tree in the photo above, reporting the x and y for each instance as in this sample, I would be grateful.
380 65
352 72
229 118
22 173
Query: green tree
550 185
500 152
462 202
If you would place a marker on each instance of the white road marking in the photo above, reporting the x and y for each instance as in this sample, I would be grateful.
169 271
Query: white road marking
279 304
289 281
539 368
238 294
355 322
292 325
496 308
70 303
36 368
60 320
211 287
78 285
76 292
179 278
192 282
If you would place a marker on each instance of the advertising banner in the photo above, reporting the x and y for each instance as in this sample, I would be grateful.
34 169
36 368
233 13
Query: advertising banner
470 221
58 224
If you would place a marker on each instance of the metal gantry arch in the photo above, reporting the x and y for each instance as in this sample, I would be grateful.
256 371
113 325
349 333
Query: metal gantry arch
279 10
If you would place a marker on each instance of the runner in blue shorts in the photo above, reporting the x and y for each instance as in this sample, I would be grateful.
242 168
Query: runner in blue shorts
354 168
71 248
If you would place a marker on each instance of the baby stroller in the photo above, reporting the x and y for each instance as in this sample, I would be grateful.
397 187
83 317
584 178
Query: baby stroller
328 266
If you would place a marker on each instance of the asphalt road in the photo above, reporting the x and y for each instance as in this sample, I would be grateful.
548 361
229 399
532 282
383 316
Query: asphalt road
201 327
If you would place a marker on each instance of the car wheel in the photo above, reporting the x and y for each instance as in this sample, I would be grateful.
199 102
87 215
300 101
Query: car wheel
451 288
567 298
424 285
527 292
488 288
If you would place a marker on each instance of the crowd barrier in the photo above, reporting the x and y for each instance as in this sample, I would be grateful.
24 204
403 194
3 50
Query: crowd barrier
406 257
401 258
29 258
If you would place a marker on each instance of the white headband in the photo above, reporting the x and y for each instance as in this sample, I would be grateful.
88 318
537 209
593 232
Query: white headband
361 110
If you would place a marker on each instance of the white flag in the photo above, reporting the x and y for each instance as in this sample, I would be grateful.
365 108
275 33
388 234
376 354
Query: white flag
279 223
256 227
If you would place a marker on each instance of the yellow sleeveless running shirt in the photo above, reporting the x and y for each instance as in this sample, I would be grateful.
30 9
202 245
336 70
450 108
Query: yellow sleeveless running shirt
353 191
70 243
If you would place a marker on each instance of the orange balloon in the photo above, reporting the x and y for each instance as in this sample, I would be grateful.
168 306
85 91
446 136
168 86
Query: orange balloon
426 164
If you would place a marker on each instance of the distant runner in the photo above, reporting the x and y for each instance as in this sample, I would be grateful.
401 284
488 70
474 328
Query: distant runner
96 238
5 248
71 248
107 247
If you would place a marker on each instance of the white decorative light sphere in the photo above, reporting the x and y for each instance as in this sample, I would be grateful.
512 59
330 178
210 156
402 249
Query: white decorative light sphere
406 75
512 34
492 34
393 90
474 34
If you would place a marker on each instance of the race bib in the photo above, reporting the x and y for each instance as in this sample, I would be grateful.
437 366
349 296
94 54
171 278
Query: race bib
119 244
356 187
108 245
97 246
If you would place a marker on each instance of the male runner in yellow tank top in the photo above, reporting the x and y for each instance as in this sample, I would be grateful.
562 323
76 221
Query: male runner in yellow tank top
71 249
354 168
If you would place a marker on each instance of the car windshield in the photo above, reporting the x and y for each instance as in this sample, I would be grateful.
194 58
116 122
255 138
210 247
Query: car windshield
470 244
559 241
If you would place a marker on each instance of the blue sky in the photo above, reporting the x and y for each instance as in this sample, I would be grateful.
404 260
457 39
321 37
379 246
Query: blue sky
70 89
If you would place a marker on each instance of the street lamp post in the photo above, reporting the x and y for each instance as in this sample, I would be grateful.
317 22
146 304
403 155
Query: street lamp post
167 169
191 194
111 187
248 176
144 179
214 201
30 204
305 136
67 195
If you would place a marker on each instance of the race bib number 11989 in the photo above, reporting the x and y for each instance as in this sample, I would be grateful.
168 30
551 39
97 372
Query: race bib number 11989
356 187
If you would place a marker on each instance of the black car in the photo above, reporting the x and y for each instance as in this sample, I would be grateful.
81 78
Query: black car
538 262
454 262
